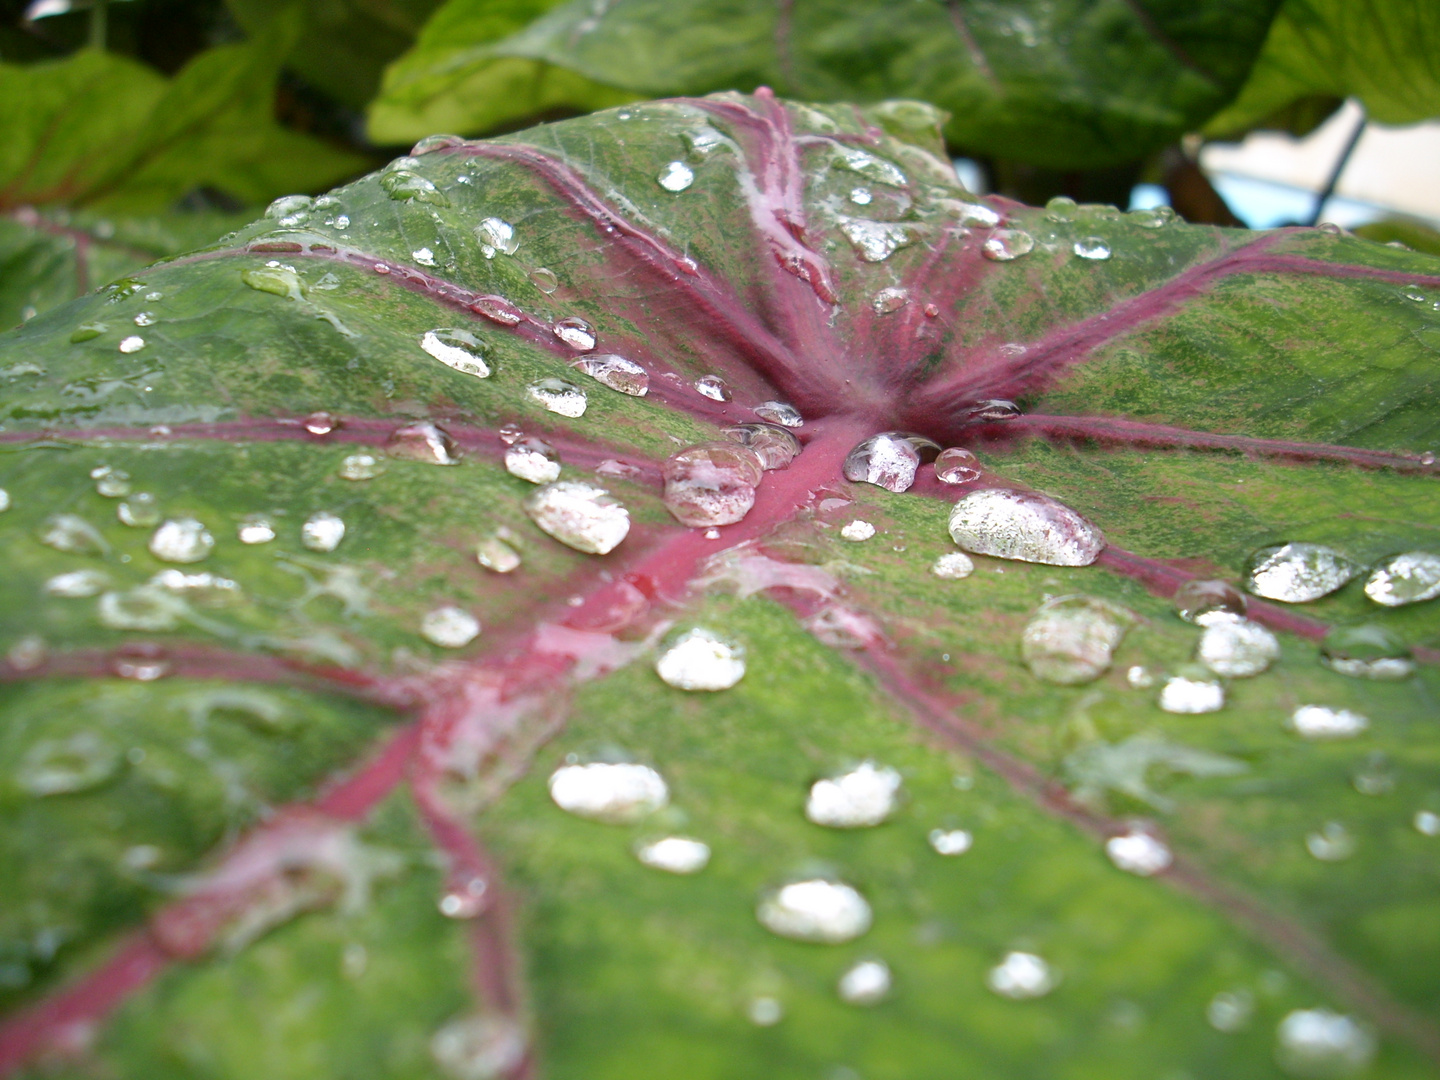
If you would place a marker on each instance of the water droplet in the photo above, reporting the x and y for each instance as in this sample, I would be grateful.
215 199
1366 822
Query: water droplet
1138 677
1235 647
181 540
425 442
957 465
459 349
993 411
1192 691
1323 1044
1323 722
1153 218
676 176
889 299
1427 823
821 911
579 515
1060 208
674 854
870 167
140 662
432 143
544 279
778 412
950 841
323 531
616 372
274 279
202 588
78 583
479 1047
711 484
320 423
87 332
862 796
142 608
1376 776
65 766
1297 573
361 466
1230 1010
449 627
712 387
496 236
616 793
111 483
145 318
1021 975
509 432
887 460
1024 525
132 344
290 211
1331 843
865 983
773 445
1072 639
575 332
494 554
861 196
953 566
700 659
465 899
28 653
139 511
1405 579
255 529
858 531
558 396
1003 245
1092 247
1366 652
72 535
1200 601
405 186
534 460
765 1011
874 241
1138 852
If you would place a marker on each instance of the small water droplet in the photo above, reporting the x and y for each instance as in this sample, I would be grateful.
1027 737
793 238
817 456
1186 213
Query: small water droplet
1003 245
773 445
275 279
142 608
1376 776
255 529
950 841
73 535
888 460
534 460
712 387
361 466
956 465
1427 458
875 241
290 211
1405 579
558 396
1092 247
496 236
1299 572
818 910
1366 652
1236 647
140 662
1323 1044
111 483
1021 975
426 442
495 554
432 143
1192 691
1199 601
1138 852
1138 677
676 176
700 659
402 185
575 332
464 899
320 423
858 531
1230 1010
615 793
711 484
203 588
765 1011
953 566
139 511
145 318
1331 843
479 1047
867 982
1072 639
1060 208
78 583
616 372
132 344
64 766
449 627
87 332
544 279
322 531
181 540
1026 526
863 796
674 854
28 653
579 515
889 300
1323 722
778 412
459 349
423 256
509 433
1152 218
993 410
861 196
1427 823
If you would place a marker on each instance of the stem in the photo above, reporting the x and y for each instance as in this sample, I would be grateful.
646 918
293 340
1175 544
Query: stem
99 24
1340 163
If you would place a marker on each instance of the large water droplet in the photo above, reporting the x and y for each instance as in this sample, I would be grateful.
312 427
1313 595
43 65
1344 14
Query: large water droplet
496 236
1021 975
676 176
255 529
1200 601
1092 247
575 332
1323 1044
1002 245
405 186
322 531
78 583
479 1047
182 540
64 766
1138 852
290 211
821 911
139 511
866 983
889 300
887 460
1366 652
616 372
1297 573
1072 639
953 566
862 796
361 466
449 627
1405 579
778 412
950 841
495 554
956 465
1236 648
674 854
773 445
1323 722
459 349
1060 208
711 484
712 387
73 535
1331 843
875 241
579 515
1192 691
1024 525
534 460
558 396
616 793
700 659
857 531
425 442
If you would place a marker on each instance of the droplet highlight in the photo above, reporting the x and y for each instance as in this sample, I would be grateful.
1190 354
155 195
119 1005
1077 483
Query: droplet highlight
1026 526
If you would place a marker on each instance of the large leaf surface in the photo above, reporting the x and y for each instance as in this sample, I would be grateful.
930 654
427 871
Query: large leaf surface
267 792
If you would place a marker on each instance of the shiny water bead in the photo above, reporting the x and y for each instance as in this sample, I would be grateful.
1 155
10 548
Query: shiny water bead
1021 975
1003 245
818 910
322 531
132 344
534 460
1323 722
78 583
1331 843
870 167
204 588
778 412
139 511
711 484
290 211
496 237
575 332
496 555
616 793
1138 852
558 396
866 983
111 483
544 279
423 256
405 186
888 460
1072 639
953 566
1297 573
425 442
775 446
4 500
579 515
857 531
861 196
712 387
142 608
1405 579
700 659
320 423
73 535
1366 652
1138 677
458 349
1426 822
862 796
488 1047
874 241
145 318
765 1011
1092 247
361 466
674 854
509 433
83 761
1197 601
465 899
1024 525
431 143
449 627
994 410
616 372
950 841
1230 1010
889 300
1192 692
1323 1044
1236 648
975 214
676 176
255 529
1152 218
1060 208
956 465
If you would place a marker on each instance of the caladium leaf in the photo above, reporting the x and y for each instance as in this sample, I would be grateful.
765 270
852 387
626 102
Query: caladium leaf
1080 84
334 746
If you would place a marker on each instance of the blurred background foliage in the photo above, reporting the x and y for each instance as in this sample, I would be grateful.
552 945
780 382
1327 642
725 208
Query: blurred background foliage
134 129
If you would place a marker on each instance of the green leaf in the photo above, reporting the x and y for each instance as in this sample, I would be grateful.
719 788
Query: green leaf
1074 85
283 810
1383 53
